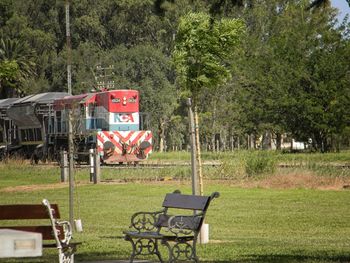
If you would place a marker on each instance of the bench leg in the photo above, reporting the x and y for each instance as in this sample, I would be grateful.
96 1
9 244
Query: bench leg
157 251
66 258
66 255
181 250
143 246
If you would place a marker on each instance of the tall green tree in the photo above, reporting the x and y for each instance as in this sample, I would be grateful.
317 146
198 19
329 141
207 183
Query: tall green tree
203 50
202 55
16 64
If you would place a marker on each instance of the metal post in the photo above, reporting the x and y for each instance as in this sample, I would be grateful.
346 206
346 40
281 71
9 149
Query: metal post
92 164
97 169
69 74
71 168
193 148
64 166
70 128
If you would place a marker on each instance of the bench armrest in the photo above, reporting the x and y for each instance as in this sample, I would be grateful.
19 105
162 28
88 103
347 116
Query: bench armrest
185 224
67 231
67 228
145 221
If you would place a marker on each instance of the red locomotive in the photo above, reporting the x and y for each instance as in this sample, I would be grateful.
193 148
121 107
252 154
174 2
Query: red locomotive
107 121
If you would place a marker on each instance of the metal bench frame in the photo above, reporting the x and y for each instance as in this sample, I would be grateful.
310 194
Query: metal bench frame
59 231
179 233
66 249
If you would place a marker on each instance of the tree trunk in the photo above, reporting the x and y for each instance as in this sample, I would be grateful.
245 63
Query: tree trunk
161 136
278 141
198 149
213 128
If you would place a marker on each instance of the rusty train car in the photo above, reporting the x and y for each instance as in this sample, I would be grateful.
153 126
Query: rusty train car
36 126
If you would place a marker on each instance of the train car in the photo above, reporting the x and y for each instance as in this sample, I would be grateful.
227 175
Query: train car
8 130
107 121
25 124
36 126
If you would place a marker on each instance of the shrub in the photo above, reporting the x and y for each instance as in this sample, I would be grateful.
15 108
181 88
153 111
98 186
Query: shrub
260 162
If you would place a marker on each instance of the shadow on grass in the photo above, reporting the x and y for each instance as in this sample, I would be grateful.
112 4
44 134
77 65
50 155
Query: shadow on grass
247 258
287 259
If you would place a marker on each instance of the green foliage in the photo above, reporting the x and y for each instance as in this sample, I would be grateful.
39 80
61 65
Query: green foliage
282 67
203 50
260 163
16 64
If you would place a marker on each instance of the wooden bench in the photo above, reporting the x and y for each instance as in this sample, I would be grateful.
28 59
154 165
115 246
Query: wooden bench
176 230
59 231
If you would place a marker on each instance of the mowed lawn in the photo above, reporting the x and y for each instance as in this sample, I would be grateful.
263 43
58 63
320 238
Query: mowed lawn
246 225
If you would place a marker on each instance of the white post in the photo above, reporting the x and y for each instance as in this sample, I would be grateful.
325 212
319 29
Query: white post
204 234
92 164
64 166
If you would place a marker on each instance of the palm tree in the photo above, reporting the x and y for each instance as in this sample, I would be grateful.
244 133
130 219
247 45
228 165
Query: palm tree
16 65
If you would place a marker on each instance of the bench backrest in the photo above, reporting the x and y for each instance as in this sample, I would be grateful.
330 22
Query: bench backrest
29 212
199 205
191 202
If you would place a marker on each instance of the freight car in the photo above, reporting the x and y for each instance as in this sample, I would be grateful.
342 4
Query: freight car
36 126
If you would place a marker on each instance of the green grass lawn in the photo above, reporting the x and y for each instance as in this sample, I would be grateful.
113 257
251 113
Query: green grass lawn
246 225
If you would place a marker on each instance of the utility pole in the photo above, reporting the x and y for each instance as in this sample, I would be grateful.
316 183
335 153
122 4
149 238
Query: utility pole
70 126
104 78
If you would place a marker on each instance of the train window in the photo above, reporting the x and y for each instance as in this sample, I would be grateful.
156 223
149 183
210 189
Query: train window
23 135
38 134
58 121
91 110
30 135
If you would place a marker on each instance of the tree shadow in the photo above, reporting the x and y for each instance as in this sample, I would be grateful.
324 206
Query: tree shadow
322 257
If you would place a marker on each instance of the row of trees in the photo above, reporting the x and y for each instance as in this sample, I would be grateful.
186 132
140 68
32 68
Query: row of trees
288 72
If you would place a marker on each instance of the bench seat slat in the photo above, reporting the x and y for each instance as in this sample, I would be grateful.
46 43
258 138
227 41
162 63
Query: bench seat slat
32 211
46 231
186 202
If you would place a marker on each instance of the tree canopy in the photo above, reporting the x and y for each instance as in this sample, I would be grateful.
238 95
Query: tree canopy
289 74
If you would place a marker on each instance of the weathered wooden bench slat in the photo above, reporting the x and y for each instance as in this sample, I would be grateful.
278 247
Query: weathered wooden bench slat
46 231
59 231
26 211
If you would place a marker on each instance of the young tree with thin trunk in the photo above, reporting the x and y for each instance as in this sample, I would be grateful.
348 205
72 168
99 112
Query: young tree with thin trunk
203 48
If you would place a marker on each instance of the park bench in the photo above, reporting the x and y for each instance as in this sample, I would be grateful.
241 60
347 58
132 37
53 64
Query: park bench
176 226
59 231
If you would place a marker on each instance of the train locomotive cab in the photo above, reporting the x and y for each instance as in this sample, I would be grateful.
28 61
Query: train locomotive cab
121 140
107 121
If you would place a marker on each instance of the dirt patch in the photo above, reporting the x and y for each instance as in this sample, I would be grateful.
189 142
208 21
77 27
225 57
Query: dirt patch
32 188
297 180
279 181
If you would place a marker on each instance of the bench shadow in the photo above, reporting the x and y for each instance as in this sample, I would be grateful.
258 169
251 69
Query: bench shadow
344 258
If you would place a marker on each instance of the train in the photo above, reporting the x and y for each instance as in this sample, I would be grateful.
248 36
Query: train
37 126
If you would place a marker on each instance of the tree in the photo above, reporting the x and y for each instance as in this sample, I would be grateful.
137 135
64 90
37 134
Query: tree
203 49
16 64
147 69
202 53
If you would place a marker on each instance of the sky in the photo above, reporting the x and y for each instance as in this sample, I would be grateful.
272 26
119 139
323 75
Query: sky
343 7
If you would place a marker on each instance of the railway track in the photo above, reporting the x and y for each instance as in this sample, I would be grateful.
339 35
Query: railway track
153 165
160 165
143 165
